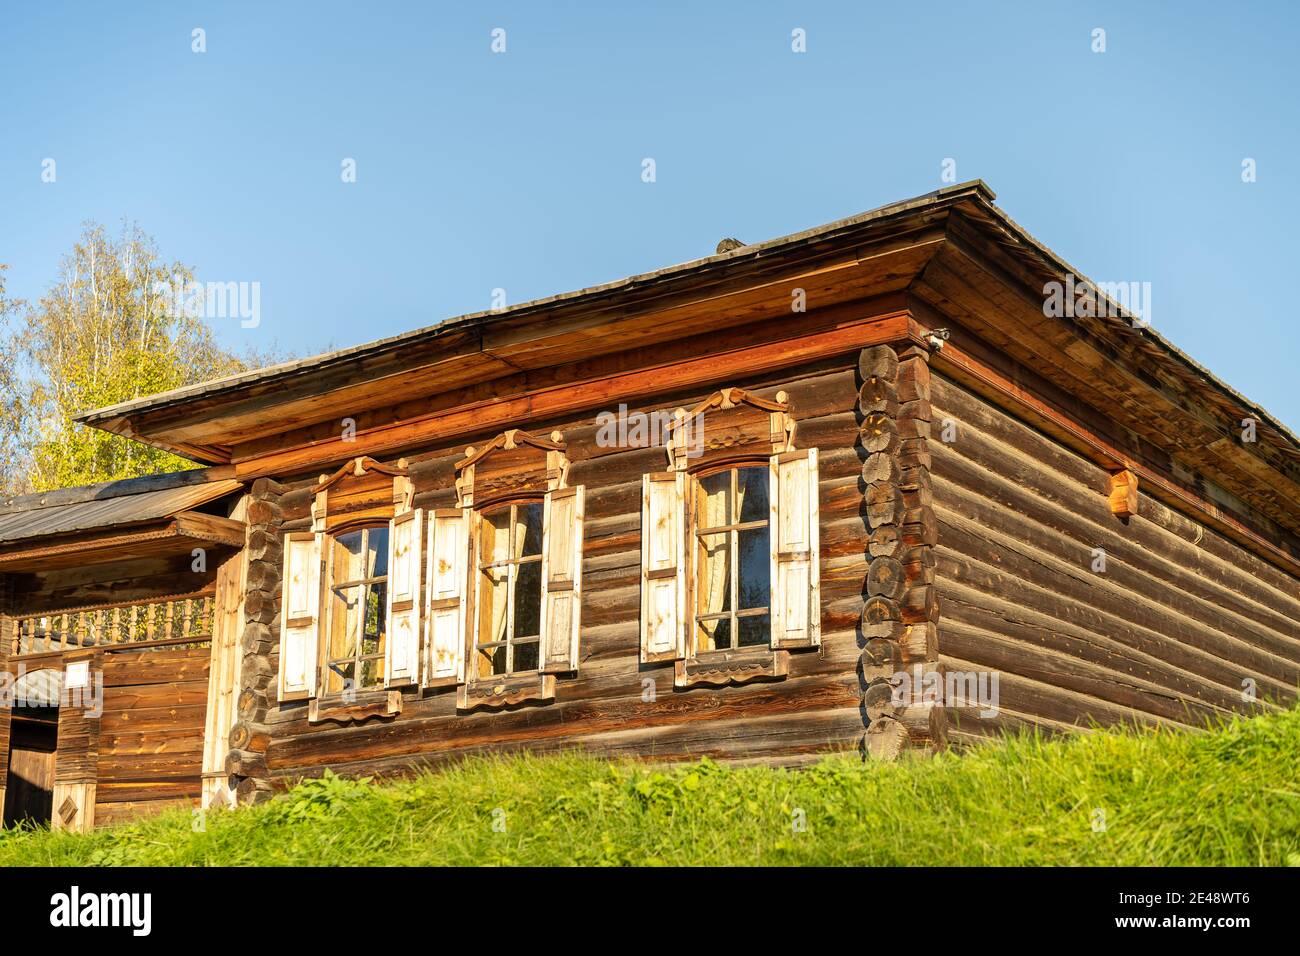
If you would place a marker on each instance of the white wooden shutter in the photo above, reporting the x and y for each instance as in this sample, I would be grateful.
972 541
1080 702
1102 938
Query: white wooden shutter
447 569
300 615
561 578
402 651
663 567
796 588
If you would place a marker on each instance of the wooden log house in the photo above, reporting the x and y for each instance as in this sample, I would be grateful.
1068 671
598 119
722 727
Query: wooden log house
716 509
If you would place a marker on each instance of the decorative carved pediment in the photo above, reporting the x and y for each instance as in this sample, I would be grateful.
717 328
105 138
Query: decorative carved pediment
513 463
360 490
730 422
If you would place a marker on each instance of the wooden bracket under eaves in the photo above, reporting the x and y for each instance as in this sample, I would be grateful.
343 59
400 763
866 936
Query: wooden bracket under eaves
1123 494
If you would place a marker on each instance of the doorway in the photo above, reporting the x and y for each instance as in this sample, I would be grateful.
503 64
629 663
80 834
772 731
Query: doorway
33 750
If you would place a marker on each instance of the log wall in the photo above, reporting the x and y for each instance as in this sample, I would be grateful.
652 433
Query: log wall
1178 628
615 705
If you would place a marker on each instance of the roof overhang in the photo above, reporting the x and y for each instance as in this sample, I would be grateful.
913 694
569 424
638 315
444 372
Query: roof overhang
177 535
117 521
868 255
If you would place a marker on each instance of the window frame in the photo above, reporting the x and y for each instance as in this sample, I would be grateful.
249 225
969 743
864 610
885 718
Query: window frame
328 588
478 567
693 534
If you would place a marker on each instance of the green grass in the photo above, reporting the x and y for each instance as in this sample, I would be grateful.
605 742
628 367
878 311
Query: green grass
1227 797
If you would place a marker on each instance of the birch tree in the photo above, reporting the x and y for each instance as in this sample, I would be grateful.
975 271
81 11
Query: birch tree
105 332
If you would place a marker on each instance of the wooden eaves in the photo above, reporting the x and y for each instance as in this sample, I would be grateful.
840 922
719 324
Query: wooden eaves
176 535
115 521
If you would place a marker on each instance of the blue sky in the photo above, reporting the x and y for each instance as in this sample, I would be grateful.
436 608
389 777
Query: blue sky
522 170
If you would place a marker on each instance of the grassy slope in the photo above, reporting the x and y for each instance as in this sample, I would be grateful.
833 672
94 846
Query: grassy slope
1231 796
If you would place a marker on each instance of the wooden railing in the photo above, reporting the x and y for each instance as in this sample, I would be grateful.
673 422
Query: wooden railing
177 622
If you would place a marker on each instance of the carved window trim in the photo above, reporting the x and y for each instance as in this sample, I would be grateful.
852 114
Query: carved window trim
397 501
555 475
682 437
477 497
760 435
304 636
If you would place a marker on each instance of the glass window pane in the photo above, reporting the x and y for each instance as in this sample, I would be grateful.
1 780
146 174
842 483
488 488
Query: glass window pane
491 660
372 639
339 677
344 621
372 672
492 605
528 599
377 553
528 533
751 490
376 609
754 630
526 656
755 568
713 635
713 578
347 558
713 503
494 536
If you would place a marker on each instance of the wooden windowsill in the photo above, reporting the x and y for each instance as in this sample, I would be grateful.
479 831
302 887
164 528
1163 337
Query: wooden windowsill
731 667
505 691
383 703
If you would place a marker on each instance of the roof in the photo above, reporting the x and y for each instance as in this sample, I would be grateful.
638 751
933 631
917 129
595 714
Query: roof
105 507
500 316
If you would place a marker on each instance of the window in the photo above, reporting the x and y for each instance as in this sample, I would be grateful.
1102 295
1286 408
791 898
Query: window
507 638
356 612
349 609
730 579
377 598
730 526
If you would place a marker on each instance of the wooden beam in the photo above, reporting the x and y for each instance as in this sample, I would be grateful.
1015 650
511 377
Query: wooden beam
517 412
642 310
966 282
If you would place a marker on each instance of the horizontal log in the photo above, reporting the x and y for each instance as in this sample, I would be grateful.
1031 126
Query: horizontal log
880 468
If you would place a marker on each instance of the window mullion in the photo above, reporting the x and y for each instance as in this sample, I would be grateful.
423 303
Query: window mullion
734 544
735 559
363 603
511 571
